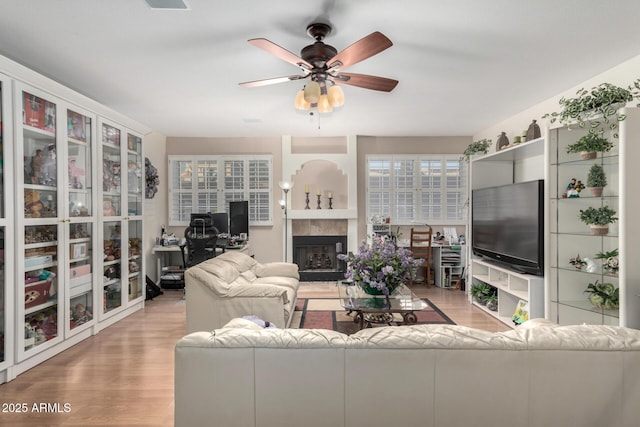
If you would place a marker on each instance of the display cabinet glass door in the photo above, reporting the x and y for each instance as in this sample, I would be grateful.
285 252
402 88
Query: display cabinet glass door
134 265
41 219
81 214
80 171
135 175
112 266
111 171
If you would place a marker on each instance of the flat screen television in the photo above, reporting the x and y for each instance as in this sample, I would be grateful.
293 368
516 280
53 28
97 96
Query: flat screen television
508 225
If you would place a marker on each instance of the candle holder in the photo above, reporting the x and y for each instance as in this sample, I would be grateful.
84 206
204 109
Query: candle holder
306 200
318 202
330 202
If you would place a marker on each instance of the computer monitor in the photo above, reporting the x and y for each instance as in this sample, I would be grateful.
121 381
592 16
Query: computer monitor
221 221
239 218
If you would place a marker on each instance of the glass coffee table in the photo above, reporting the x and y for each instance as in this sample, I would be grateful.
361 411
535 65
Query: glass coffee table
371 309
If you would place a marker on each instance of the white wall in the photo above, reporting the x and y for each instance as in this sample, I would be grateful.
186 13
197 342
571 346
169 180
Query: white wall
155 210
621 75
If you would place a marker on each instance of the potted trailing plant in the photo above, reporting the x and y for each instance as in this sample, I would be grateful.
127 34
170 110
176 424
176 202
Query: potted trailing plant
604 296
480 292
481 146
610 262
602 101
598 219
492 301
589 145
596 180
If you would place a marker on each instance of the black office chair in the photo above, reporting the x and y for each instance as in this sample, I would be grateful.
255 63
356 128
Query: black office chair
199 245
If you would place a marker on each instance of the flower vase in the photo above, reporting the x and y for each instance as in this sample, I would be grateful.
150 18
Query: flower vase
370 290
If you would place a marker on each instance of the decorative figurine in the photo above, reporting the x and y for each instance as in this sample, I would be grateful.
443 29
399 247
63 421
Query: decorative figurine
534 131
502 141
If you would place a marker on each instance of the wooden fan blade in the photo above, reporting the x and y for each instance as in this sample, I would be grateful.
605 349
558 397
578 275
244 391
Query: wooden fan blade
275 80
364 48
281 53
382 84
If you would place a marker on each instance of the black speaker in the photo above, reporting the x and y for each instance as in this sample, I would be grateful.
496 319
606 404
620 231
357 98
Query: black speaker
239 218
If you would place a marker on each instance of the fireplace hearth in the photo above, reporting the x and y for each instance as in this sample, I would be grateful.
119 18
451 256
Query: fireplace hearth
317 257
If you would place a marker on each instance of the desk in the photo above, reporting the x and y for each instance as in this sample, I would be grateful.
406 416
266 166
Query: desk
164 254
447 261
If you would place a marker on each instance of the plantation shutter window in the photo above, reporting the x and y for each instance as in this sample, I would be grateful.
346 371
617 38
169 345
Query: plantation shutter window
209 183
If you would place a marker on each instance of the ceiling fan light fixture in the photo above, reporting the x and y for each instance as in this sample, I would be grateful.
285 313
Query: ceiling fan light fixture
336 96
312 92
324 106
300 102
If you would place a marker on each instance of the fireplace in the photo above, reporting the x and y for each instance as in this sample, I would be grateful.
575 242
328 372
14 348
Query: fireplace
317 257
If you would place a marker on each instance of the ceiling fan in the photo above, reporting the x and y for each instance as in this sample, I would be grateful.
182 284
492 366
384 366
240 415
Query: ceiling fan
323 65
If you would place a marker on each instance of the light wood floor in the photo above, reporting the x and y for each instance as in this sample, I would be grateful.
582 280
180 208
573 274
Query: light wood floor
123 376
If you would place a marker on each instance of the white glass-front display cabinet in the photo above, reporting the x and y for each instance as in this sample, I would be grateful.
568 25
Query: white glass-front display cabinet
121 200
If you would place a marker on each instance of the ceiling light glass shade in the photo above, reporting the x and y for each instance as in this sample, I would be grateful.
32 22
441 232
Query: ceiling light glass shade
324 106
312 92
300 102
336 96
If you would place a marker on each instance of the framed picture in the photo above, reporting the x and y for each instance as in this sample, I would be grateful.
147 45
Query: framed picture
79 250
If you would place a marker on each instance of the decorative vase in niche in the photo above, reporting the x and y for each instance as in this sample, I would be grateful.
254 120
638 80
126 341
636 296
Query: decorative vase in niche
502 141
534 131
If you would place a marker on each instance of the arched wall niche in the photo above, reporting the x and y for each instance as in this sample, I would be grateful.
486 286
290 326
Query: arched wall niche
320 177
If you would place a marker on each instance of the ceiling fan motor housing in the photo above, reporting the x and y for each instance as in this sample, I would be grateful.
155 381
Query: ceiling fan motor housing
318 54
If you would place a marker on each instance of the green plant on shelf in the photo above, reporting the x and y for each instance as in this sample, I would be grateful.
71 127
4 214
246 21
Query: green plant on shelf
596 176
604 296
610 261
603 215
481 291
600 101
577 262
481 146
590 143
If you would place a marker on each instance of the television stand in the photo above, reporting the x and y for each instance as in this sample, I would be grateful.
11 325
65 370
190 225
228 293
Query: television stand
512 288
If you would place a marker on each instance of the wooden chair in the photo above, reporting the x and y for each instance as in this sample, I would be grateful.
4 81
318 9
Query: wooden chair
421 249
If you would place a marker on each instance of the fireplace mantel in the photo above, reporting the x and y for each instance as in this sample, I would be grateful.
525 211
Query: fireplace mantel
323 214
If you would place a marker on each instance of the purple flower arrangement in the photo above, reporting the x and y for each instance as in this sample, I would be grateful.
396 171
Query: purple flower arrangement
380 267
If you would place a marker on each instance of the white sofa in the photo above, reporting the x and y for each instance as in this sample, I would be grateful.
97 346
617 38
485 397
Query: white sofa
422 375
234 284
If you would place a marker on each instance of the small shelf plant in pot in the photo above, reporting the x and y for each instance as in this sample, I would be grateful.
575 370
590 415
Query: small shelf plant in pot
596 180
604 296
492 301
589 145
610 261
480 292
477 147
598 219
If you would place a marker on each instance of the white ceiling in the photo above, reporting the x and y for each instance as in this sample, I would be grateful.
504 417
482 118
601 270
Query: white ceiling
463 65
